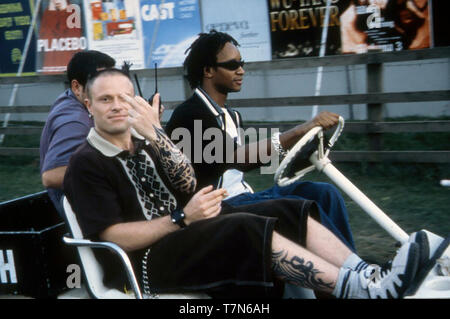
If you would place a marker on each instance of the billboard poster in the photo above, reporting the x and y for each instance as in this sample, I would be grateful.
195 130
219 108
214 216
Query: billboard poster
385 25
169 27
60 34
15 21
296 27
114 27
354 26
246 21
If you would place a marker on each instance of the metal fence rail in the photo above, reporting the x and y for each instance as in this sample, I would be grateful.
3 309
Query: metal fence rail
374 99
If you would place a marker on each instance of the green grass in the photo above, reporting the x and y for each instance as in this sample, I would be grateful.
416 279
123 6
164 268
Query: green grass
19 176
409 194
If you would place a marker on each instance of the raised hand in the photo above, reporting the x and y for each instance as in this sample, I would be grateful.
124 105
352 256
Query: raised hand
143 117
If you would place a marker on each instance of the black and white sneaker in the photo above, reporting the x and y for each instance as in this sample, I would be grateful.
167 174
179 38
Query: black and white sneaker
393 279
431 248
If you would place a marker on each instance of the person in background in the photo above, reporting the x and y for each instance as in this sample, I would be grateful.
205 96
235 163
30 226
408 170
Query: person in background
68 122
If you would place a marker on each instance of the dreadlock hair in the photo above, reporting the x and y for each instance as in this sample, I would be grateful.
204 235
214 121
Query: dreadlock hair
203 53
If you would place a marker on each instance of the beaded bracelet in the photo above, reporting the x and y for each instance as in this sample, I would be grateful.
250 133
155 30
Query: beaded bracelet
277 145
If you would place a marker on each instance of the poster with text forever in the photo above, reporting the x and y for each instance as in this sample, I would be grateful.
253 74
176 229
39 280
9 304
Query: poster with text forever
114 27
354 26
169 27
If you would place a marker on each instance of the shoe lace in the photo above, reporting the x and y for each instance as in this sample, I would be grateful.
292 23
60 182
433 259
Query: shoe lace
374 274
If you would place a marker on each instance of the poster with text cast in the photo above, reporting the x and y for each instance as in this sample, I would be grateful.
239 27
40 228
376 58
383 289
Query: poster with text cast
169 27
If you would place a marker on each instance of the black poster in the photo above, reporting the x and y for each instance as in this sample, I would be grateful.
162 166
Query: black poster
354 26
297 25
15 21
385 25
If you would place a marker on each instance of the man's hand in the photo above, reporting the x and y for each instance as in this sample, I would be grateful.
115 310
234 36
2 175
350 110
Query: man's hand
142 116
206 203
325 119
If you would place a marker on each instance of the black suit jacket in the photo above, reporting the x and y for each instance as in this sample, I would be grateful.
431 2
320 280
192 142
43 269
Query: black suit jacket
196 116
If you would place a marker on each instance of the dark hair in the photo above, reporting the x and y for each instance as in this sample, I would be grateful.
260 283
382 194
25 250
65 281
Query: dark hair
203 53
87 62
109 71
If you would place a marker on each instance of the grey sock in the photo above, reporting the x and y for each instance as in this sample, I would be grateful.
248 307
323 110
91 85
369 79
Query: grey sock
348 285
355 263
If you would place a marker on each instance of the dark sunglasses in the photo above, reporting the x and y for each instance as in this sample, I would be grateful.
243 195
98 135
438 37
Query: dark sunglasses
231 65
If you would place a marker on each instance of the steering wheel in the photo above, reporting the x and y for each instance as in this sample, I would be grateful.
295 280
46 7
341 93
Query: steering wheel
296 163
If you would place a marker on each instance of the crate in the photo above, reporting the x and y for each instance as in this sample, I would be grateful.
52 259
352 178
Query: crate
33 257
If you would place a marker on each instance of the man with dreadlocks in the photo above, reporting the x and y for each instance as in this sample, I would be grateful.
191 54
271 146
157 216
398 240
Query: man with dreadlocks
214 68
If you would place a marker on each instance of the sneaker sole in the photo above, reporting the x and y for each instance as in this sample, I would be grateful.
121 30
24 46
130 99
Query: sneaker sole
426 268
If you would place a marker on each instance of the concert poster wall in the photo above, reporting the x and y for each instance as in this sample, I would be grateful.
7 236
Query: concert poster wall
169 27
114 27
60 35
15 21
246 21
355 26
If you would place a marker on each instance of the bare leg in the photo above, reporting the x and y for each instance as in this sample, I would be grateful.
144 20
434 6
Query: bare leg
296 265
323 243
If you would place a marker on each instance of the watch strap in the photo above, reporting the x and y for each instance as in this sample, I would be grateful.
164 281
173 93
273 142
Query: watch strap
177 217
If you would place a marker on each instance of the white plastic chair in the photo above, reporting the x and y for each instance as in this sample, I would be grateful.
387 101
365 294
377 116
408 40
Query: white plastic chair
93 271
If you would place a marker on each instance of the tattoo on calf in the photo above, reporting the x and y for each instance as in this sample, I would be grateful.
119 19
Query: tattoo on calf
297 271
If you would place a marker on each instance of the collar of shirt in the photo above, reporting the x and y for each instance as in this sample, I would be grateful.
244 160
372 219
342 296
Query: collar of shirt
221 113
210 103
110 150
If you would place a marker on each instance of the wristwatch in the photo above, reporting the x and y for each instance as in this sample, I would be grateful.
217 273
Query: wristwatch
177 217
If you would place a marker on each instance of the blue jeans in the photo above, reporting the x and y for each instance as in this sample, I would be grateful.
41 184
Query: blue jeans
332 210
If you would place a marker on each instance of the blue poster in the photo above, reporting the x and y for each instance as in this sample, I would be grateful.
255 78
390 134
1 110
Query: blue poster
169 28
15 21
